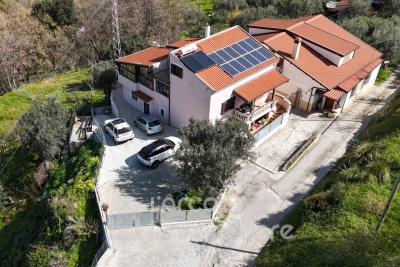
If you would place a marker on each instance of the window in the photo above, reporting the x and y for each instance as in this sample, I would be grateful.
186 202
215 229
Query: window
366 79
128 71
352 91
133 96
162 88
145 77
162 112
176 70
228 105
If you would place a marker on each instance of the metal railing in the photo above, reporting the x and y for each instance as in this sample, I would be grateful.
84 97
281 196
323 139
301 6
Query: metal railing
256 113
97 129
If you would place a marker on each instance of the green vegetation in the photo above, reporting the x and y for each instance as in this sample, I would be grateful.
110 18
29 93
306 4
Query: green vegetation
13 104
60 225
219 221
205 5
193 198
335 224
384 73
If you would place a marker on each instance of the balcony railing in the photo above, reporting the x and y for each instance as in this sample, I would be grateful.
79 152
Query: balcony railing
256 113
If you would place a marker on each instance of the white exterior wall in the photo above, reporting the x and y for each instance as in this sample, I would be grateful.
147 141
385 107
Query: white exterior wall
253 31
298 80
332 57
224 94
342 59
158 101
189 95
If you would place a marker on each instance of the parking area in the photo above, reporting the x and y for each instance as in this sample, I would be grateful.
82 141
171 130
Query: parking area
125 184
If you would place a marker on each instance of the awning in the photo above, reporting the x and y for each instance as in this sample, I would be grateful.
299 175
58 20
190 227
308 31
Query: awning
333 94
143 96
261 85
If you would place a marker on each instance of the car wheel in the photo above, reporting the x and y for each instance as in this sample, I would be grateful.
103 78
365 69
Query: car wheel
134 122
147 133
155 164
115 142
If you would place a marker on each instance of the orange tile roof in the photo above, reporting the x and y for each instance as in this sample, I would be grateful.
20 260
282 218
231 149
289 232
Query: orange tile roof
261 85
333 94
146 57
222 39
217 78
139 94
324 39
181 43
273 23
349 84
314 64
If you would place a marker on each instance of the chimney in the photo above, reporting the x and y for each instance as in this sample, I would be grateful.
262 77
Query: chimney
208 29
296 47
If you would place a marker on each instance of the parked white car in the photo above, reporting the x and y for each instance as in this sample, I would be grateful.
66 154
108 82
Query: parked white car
153 154
119 130
149 124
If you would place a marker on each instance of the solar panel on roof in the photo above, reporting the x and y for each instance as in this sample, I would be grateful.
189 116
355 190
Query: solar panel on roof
203 59
252 43
192 63
258 56
238 49
225 56
244 62
229 69
265 53
217 59
245 46
251 59
237 65
231 52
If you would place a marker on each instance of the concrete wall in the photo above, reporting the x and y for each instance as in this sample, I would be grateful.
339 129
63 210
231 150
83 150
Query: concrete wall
158 101
298 80
189 95
253 31
332 57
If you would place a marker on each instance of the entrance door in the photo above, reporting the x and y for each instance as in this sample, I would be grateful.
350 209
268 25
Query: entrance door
297 98
146 108
329 103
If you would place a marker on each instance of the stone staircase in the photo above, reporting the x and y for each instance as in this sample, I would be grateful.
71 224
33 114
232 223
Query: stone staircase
279 111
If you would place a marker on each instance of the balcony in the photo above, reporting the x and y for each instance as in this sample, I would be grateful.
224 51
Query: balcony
246 115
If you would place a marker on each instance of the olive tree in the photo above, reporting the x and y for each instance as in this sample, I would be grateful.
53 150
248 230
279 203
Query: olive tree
210 152
44 127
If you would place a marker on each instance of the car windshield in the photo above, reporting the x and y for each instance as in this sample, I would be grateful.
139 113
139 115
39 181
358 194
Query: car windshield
118 121
169 142
124 130
154 123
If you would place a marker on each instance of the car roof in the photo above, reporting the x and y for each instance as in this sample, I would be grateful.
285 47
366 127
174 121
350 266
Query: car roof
149 118
149 148
118 121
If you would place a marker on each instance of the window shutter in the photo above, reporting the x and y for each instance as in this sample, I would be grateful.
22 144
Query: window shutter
223 106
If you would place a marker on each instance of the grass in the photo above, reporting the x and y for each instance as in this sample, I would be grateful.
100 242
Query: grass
335 224
222 219
13 104
384 73
206 5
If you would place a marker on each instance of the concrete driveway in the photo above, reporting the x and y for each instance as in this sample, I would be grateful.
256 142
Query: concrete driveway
125 184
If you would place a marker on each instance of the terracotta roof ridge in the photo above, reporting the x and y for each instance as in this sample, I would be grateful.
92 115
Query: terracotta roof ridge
350 34
331 34
315 17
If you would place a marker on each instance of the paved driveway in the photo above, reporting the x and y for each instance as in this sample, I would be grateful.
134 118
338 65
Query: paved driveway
125 184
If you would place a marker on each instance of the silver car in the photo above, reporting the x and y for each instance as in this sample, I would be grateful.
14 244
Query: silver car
149 124
119 130
159 150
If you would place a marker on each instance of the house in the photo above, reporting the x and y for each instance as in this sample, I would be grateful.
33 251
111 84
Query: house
326 65
227 74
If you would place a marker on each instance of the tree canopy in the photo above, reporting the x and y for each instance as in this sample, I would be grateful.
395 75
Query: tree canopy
45 127
210 152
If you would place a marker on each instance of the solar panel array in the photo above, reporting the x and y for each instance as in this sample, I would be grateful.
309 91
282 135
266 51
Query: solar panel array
197 61
240 56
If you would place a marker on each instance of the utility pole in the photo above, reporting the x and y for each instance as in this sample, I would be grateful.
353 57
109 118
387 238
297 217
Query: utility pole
115 34
392 194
